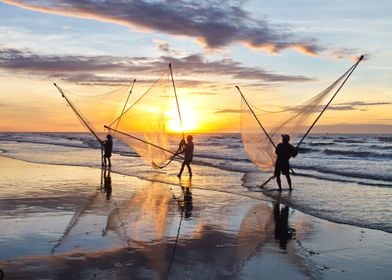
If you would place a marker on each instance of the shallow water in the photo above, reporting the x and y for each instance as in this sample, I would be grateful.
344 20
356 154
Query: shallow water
342 178
62 222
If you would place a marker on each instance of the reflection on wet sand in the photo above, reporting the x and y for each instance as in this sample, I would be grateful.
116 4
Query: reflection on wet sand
158 231
283 233
107 182
142 222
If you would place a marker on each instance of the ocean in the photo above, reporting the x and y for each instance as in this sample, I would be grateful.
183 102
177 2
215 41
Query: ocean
341 178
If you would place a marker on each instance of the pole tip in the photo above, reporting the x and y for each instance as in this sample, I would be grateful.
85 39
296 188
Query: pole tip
361 57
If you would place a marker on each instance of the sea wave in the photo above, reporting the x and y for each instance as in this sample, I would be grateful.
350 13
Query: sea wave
384 179
385 138
321 144
379 147
358 154
349 141
303 150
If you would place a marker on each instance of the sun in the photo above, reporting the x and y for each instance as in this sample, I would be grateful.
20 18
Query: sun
189 119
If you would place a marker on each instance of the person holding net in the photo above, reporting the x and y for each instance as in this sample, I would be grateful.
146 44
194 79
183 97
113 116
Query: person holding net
284 152
107 149
187 149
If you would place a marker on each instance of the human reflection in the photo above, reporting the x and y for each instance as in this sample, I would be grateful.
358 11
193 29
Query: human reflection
283 233
107 183
186 205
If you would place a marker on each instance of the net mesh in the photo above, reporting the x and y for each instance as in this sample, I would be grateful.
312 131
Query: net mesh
146 126
294 121
93 110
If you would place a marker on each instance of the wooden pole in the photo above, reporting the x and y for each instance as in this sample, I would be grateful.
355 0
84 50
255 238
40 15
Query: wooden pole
178 105
254 115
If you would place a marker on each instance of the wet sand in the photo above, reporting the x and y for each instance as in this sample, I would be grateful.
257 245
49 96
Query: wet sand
68 222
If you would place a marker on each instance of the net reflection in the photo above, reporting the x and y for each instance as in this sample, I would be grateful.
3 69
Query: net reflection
172 230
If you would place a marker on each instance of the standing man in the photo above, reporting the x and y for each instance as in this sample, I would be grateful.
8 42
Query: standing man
108 147
284 152
187 149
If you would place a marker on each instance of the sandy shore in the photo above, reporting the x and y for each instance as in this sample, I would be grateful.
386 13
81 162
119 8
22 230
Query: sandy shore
67 222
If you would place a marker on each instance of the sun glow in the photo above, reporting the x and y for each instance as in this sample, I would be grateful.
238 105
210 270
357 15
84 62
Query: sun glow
190 120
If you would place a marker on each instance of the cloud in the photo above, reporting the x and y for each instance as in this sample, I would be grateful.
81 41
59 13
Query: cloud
350 106
357 105
345 53
105 69
215 24
228 111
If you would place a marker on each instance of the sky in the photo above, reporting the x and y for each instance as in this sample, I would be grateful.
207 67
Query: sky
280 54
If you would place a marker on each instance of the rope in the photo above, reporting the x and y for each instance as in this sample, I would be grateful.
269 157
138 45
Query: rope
175 245
177 238
152 144
125 104
254 115
329 102
176 153
137 101
77 113
261 126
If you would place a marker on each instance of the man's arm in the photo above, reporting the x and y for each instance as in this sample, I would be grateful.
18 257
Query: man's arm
294 151
277 149
181 147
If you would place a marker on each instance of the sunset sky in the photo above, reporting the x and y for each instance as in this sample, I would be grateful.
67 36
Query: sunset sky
280 53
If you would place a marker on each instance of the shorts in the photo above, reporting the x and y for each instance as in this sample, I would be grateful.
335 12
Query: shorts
282 167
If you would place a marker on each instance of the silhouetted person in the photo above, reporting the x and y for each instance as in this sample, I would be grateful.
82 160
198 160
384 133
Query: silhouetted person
187 149
281 217
284 152
107 184
107 147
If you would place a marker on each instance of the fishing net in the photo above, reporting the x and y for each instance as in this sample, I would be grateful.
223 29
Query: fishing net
148 124
93 110
261 130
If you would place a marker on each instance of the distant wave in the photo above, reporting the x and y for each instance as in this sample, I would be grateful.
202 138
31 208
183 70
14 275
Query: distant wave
378 147
385 138
321 144
345 140
350 176
364 154
71 145
303 150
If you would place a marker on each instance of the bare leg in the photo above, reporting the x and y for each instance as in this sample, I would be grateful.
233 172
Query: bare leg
288 180
102 157
279 182
182 169
189 169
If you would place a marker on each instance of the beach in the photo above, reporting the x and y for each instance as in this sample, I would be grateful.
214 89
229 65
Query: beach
70 222
243 140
